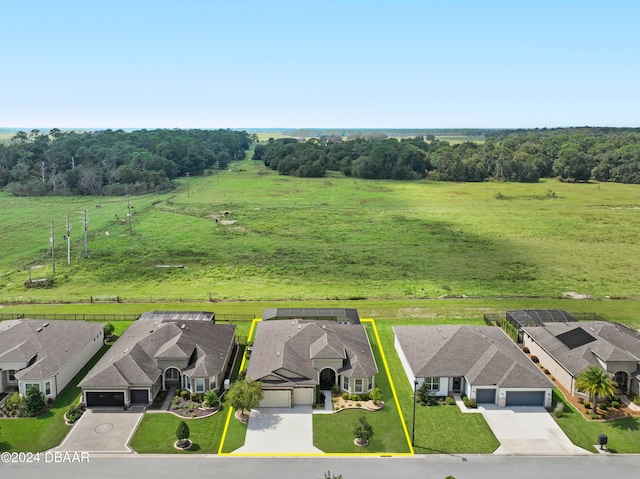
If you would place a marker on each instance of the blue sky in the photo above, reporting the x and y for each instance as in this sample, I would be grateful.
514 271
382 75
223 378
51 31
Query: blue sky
340 64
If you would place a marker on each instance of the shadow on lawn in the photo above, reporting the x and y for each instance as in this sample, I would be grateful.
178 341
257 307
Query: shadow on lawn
624 424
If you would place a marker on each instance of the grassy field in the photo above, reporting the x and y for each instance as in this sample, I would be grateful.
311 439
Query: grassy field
333 238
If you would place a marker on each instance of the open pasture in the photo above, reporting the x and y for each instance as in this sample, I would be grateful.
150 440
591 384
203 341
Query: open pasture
251 234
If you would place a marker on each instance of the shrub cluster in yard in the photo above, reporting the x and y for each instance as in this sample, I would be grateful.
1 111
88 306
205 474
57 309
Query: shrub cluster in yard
470 403
74 413
356 397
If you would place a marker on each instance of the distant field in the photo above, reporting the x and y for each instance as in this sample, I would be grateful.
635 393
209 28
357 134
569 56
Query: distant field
461 139
6 137
336 238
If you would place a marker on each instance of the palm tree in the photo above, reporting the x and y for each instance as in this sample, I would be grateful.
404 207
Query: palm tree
596 382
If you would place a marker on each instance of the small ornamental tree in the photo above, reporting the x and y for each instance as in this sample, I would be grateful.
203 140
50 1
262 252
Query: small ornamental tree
108 330
182 434
245 394
362 431
376 395
596 382
34 401
211 399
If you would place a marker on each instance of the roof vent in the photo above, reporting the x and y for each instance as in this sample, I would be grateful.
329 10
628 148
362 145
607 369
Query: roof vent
45 325
324 326
591 329
39 329
184 325
277 353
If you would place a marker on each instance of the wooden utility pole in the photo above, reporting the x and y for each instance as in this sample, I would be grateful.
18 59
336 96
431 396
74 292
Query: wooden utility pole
68 242
53 249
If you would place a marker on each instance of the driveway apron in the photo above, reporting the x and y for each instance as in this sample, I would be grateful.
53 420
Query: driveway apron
280 431
528 430
102 432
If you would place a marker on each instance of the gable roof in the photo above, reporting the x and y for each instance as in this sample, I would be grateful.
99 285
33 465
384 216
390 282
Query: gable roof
133 359
46 346
611 342
484 355
286 350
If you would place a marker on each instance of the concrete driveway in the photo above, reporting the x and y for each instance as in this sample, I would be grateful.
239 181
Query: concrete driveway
280 431
102 432
528 430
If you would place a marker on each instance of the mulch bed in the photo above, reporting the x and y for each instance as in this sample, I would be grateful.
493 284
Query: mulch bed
342 404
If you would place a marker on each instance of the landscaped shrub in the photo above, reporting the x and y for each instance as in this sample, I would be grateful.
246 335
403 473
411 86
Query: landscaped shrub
194 397
587 405
450 401
358 404
211 399
535 359
74 413
603 406
546 371
470 403
335 390
376 395
178 391
184 394
353 397
525 350
364 397
558 411
345 396
175 400
615 404
594 416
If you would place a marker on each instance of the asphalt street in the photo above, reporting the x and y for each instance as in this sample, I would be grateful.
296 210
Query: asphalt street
461 467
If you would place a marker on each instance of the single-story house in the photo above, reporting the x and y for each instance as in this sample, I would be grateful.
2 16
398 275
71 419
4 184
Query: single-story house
160 351
567 349
479 361
45 354
292 357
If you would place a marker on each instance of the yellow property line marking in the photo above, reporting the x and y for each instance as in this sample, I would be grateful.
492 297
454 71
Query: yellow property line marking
326 454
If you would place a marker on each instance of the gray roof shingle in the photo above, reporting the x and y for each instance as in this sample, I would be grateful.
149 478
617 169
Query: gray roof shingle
132 360
485 355
47 345
292 345
613 342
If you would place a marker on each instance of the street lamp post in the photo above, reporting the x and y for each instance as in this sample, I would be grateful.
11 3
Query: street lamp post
413 424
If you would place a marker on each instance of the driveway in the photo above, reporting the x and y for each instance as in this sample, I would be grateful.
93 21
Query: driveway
102 432
528 430
280 431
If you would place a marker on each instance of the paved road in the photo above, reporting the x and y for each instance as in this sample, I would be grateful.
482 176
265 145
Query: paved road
424 467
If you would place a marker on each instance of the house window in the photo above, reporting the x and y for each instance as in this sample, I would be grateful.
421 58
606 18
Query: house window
12 374
47 388
358 385
345 383
28 386
370 383
187 382
212 382
200 385
433 384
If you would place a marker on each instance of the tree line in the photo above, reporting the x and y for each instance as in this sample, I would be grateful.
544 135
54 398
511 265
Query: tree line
582 154
113 162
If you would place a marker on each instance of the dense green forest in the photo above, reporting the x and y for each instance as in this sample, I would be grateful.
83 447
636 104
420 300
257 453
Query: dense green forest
112 162
570 154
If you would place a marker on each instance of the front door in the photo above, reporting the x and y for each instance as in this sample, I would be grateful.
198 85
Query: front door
455 386
327 378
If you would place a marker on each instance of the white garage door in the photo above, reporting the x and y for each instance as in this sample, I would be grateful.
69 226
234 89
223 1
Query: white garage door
303 395
276 398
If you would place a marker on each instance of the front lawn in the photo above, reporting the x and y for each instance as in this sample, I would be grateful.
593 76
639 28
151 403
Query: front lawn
623 434
48 430
157 433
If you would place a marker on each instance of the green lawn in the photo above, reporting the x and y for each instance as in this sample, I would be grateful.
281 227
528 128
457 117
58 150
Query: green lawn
40 434
623 434
157 433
